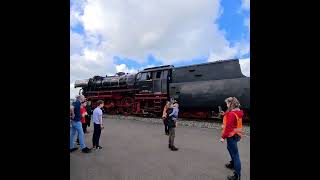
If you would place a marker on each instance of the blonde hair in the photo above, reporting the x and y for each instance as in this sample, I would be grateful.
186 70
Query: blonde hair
234 103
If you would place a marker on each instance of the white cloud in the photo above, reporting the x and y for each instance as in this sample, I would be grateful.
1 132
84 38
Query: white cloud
245 66
73 91
245 5
76 43
124 68
170 30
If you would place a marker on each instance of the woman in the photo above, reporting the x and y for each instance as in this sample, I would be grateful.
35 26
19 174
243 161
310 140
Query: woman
164 117
232 131
83 113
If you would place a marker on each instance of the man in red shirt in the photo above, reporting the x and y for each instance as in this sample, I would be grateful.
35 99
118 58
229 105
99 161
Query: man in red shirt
232 131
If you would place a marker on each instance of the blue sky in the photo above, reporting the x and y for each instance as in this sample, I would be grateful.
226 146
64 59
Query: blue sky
112 35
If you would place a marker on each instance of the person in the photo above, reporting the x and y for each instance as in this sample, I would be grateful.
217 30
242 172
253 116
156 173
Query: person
97 124
172 123
83 112
232 131
71 114
164 117
77 127
88 116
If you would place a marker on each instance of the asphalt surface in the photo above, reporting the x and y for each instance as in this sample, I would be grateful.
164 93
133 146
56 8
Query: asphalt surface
135 150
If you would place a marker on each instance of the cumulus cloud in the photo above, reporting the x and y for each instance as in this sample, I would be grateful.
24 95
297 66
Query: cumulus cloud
245 4
245 66
124 68
170 30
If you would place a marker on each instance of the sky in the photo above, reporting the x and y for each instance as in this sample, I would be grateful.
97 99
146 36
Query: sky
109 36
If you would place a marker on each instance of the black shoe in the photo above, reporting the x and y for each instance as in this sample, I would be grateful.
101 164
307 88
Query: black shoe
73 149
99 147
173 148
86 150
234 177
230 165
169 146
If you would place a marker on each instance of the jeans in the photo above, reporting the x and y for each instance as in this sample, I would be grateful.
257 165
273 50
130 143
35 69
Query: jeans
96 134
76 126
234 153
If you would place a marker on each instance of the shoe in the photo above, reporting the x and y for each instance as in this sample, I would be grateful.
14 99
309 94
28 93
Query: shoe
173 148
86 150
234 177
73 149
169 146
99 147
230 165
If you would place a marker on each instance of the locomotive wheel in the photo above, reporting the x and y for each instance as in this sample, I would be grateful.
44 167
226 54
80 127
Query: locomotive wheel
127 105
109 107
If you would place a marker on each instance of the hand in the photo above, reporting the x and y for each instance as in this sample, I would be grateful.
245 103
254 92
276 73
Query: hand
101 126
221 140
176 124
222 113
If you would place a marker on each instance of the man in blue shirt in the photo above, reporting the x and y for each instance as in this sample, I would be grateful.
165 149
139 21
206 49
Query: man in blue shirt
77 126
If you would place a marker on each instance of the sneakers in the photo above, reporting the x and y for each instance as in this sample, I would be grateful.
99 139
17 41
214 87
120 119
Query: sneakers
73 149
234 177
230 165
95 148
86 150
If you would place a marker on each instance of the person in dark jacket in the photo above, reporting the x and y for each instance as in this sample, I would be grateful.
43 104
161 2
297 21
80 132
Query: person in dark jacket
165 118
172 124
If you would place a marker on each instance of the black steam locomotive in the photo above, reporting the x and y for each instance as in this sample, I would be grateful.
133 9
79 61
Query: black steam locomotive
200 89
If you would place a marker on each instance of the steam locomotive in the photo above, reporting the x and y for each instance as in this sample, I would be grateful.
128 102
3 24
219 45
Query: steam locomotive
200 89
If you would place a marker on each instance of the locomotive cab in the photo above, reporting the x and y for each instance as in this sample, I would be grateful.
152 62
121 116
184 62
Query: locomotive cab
154 80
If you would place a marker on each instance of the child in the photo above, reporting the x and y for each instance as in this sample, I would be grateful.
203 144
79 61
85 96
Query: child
97 124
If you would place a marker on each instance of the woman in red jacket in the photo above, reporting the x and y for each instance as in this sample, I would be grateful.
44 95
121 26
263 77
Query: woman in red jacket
232 131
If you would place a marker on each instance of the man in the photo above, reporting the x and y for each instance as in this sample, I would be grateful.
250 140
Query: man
77 126
232 131
172 123
164 117
97 124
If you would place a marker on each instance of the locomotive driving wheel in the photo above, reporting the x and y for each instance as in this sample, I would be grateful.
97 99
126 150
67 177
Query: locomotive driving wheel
109 107
127 105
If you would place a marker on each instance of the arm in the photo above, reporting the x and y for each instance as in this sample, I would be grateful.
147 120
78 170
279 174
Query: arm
100 119
173 112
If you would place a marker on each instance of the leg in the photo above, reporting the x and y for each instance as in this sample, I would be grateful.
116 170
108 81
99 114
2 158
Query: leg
228 147
98 134
84 127
78 126
170 134
173 132
235 154
94 137
72 134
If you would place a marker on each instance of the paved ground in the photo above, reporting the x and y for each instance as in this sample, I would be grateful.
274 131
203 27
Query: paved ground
135 150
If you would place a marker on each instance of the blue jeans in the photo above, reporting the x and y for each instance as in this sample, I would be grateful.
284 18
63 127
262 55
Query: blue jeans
76 126
234 153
